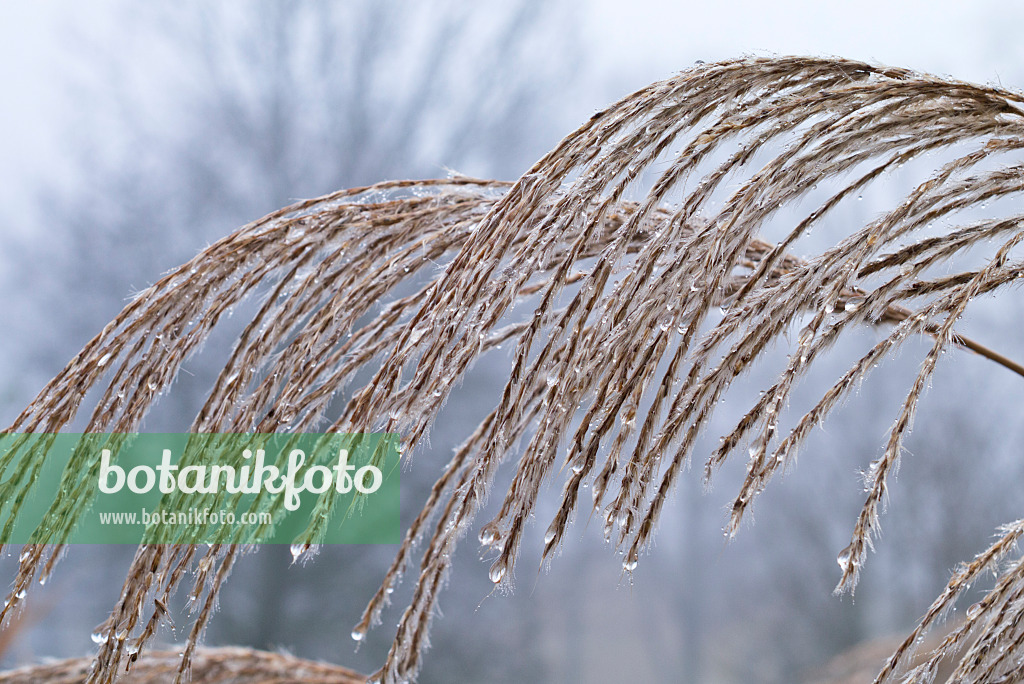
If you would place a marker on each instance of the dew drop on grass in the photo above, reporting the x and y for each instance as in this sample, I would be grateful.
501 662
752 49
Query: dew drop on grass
489 534
845 558
974 611
103 359
497 571
630 562
358 634
98 638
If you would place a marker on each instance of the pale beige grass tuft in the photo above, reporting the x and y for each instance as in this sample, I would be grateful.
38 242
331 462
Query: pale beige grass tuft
628 272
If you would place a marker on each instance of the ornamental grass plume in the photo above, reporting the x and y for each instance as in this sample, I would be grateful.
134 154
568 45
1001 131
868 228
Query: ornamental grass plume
230 665
630 269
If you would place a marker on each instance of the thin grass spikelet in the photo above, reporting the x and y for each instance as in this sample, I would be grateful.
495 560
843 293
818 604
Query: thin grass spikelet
681 237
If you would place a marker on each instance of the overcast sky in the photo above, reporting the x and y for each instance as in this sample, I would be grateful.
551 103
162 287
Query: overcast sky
626 50
973 41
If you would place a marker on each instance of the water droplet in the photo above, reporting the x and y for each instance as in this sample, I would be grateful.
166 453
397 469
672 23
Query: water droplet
132 650
974 611
845 558
98 638
854 303
21 594
497 571
630 562
489 534
297 550
358 634
552 380
103 359
550 535
874 466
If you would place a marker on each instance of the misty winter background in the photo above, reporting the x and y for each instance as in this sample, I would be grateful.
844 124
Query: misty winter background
134 134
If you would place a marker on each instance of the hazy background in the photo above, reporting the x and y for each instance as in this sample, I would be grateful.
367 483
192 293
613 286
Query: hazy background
134 134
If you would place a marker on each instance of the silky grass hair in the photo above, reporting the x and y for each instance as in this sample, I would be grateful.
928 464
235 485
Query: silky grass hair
630 273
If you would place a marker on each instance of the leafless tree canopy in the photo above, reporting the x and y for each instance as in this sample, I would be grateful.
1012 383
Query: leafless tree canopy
631 273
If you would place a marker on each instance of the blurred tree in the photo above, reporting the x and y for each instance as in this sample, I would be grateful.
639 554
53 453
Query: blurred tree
188 119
